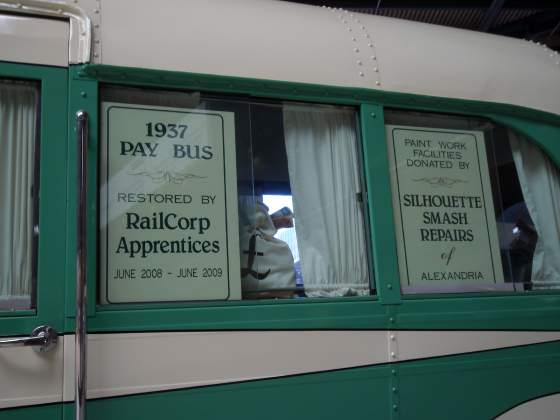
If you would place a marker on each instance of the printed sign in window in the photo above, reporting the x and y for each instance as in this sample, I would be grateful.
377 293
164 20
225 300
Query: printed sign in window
169 205
444 212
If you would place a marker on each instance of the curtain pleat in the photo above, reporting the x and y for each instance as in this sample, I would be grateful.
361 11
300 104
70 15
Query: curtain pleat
540 184
322 163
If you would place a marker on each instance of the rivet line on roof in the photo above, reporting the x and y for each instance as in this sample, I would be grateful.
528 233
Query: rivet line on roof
343 16
367 36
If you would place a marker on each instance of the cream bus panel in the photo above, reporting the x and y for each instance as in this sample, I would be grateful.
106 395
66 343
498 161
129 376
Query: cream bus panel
34 41
545 408
30 377
276 40
121 364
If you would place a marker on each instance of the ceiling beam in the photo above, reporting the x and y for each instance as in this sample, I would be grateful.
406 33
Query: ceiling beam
531 25
442 4
491 14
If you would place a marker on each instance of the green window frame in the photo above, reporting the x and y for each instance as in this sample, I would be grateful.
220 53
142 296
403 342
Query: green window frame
389 309
52 200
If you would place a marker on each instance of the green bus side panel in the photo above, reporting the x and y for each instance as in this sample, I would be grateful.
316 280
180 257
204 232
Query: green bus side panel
479 386
475 386
52 199
353 394
41 412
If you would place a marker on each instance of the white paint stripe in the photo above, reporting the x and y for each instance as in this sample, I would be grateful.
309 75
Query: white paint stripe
122 364
421 344
133 363
28 377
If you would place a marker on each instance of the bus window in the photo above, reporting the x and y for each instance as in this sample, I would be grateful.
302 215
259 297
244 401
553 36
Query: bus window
18 193
213 198
476 206
281 207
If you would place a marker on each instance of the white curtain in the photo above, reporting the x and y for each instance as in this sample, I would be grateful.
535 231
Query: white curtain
322 161
17 141
540 184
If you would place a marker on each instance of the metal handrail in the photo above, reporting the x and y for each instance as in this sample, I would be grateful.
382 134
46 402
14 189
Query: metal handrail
81 267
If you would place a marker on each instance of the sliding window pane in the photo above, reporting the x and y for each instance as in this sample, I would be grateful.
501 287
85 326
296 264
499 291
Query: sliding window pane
273 189
18 188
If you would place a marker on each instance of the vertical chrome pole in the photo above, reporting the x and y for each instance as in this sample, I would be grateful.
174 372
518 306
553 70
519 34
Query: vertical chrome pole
81 267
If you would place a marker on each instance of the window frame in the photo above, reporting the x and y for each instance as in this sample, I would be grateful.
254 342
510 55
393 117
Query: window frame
527 310
282 313
52 160
111 92
402 114
388 309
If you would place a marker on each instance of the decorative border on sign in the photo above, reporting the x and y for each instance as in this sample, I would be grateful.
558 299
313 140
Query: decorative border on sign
163 109
160 177
437 180
441 181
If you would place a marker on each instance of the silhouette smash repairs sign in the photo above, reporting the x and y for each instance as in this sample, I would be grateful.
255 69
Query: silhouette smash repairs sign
444 212
169 205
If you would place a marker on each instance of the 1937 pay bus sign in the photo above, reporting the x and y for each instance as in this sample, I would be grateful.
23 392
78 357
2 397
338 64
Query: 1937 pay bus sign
444 212
168 199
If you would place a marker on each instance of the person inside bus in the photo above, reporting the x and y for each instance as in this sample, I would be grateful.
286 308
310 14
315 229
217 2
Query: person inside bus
519 241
